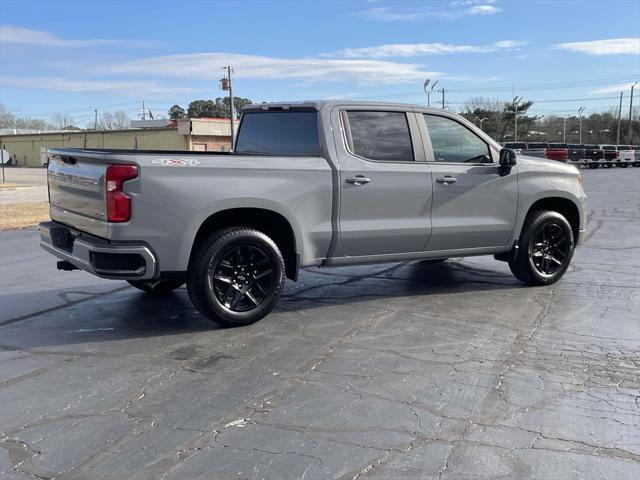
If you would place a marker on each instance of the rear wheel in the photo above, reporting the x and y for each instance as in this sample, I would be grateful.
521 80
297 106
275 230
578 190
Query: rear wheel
159 287
623 165
608 165
546 249
593 165
636 164
236 277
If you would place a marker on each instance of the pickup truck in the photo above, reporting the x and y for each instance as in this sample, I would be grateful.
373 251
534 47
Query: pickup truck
577 152
309 184
626 156
595 155
536 149
610 155
558 152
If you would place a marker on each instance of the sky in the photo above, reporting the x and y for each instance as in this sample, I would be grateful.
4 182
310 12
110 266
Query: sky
71 56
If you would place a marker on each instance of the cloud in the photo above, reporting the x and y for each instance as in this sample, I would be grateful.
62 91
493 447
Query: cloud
74 85
613 88
10 34
306 70
416 49
387 14
612 46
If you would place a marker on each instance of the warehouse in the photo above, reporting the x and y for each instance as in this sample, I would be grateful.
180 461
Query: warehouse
197 134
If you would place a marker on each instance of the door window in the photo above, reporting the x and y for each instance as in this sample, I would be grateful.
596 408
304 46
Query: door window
454 143
382 136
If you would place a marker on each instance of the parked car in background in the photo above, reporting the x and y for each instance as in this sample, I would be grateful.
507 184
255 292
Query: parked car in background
577 152
558 152
519 147
537 149
309 184
595 155
626 156
610 155
636 154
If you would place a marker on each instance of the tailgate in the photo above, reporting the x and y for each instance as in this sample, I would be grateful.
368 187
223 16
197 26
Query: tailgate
77 190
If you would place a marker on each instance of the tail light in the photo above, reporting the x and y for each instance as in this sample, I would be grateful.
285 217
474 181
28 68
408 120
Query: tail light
617 154
118 202
565 154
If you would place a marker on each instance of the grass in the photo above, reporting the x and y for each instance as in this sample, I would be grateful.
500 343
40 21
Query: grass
21 215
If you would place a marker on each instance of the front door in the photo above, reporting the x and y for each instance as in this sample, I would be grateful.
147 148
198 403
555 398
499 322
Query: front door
385 184
473 206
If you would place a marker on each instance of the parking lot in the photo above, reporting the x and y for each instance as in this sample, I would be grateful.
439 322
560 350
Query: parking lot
410 370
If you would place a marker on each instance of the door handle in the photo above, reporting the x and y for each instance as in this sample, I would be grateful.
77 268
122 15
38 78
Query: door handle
358 180
448 179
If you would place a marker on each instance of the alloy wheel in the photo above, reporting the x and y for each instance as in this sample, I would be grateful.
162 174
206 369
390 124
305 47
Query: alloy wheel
550 248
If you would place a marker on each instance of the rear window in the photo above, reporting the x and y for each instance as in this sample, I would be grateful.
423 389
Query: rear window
625 147
515 145
538 145
557 145
576 146
609 148
279 133
594 147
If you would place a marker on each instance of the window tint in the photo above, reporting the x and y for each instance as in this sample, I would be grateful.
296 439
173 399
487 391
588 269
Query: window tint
609 148
558 145
538 145
380 135
453 142
279 133
516 145
577 146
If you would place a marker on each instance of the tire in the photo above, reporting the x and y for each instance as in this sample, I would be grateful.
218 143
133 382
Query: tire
593 165
608 165
636 164
159 287
546 249
623 165
236 277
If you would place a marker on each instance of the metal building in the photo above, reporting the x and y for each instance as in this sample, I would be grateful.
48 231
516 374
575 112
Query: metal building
201 134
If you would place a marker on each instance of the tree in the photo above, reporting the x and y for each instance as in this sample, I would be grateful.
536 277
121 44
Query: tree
177 112
62 121
525 123
113 121
218 108
7 119
488 110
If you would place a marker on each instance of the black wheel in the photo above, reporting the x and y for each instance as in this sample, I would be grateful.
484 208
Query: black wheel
623 165
593 165
236 277
608 165
158 287
636 164
546 249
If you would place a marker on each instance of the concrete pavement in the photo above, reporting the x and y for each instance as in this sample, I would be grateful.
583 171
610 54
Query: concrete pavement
400 371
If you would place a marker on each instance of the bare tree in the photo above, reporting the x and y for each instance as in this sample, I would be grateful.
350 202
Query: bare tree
113 121
7 119
62 121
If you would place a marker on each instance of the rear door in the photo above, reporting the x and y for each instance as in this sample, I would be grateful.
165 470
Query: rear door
385 183
473 206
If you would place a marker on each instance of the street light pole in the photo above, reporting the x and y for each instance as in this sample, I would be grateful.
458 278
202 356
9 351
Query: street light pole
426 84
580 111
619 120
630 110
516 101
226 85
480 120
564 129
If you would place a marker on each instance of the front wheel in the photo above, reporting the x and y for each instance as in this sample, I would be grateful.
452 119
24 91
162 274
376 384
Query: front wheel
236 277
546 249
623 165
608 165
593 166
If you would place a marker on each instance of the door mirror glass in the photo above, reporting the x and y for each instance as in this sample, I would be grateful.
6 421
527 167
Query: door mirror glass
507 160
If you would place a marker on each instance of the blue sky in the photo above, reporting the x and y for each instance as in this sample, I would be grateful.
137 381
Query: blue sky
74 56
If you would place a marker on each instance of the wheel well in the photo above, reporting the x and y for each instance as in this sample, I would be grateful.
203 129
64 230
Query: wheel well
564 207
266 221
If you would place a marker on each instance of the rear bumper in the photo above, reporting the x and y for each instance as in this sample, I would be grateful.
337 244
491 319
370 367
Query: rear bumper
97 255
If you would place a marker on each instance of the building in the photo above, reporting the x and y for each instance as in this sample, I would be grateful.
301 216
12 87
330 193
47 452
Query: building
197 134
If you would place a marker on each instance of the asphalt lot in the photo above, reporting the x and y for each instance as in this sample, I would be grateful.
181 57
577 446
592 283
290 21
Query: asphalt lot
401 371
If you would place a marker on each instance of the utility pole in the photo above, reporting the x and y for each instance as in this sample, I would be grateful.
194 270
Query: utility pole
630 110
95 121
226 85
619 120
144 111
580 111
516 101
443 103
564 129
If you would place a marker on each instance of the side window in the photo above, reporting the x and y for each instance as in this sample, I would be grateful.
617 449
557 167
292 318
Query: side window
452 142
380 135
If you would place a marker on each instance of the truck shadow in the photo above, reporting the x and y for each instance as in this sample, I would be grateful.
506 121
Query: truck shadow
128 314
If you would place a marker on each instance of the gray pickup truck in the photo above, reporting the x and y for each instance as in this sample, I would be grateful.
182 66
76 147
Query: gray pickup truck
321 184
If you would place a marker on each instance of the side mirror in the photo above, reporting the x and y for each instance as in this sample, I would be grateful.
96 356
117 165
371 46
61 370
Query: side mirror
508 159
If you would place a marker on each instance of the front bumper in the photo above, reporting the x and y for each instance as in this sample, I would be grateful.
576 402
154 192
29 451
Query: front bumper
97 255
